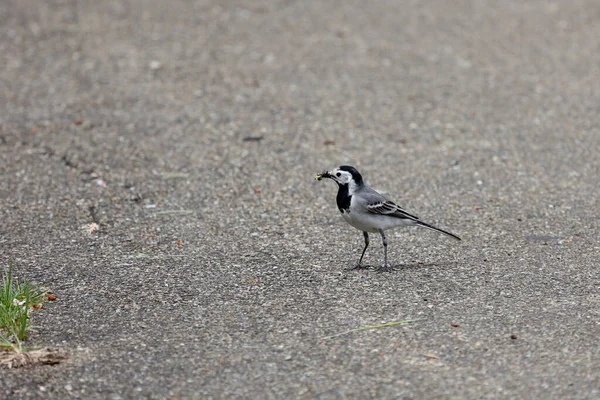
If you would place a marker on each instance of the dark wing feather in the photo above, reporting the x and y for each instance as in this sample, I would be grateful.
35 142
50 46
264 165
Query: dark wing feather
390 208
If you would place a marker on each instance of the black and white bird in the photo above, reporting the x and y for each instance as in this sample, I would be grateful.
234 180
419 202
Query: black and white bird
368 210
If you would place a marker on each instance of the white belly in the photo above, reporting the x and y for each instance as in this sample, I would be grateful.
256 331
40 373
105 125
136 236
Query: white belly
374 222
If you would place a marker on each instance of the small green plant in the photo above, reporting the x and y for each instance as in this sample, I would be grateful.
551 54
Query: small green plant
17 300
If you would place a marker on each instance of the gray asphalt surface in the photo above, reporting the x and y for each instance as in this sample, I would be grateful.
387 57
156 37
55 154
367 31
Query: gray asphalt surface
481 117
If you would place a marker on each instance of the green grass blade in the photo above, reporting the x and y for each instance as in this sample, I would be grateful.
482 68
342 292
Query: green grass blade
16 303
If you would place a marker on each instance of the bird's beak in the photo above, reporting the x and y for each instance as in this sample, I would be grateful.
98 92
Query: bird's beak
322 175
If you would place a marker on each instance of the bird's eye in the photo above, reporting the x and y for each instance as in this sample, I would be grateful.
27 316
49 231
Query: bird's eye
338 174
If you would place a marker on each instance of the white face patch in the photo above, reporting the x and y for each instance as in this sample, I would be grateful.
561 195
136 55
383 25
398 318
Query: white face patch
344 178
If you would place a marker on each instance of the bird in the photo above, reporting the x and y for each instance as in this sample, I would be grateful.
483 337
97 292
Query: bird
370 211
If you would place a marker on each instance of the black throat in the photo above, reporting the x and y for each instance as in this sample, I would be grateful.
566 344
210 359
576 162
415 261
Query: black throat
343 198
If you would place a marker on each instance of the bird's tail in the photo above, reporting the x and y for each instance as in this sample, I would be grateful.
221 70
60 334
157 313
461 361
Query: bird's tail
425 225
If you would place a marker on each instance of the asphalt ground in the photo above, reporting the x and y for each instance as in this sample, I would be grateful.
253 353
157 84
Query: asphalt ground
220 267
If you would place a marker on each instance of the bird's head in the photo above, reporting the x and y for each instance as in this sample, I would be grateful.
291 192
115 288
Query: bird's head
344 175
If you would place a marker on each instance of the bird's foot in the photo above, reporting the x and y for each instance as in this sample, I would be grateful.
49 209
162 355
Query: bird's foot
386 268
359 267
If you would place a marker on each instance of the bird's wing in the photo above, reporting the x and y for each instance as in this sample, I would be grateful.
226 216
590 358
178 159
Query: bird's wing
387 207
377 203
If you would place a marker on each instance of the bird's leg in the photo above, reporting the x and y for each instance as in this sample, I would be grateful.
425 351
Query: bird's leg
366 235
360 266
386 266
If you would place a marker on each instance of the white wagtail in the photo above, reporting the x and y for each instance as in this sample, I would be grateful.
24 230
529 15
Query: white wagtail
369 210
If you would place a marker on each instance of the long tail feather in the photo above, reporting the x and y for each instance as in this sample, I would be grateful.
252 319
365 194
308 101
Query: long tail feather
425 225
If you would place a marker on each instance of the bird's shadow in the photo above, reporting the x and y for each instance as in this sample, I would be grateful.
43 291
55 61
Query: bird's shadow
400 267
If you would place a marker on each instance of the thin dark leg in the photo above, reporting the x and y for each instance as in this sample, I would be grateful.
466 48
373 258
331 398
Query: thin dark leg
360 266
365 249
386 266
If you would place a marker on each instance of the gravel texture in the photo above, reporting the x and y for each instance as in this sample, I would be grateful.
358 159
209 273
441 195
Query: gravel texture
219 265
